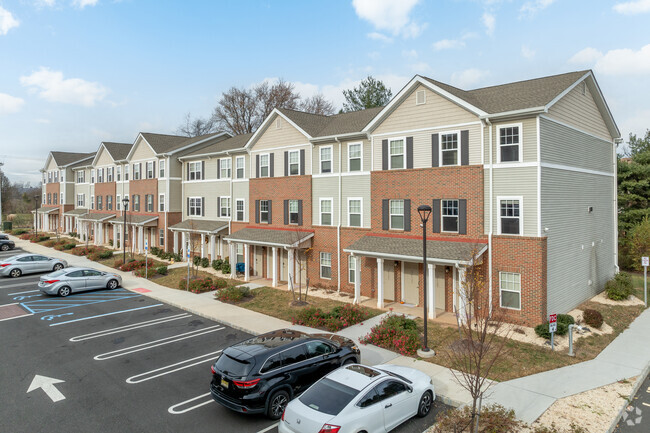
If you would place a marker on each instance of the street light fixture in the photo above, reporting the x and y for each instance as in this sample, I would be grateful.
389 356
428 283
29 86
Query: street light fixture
36 198
125 204
425 212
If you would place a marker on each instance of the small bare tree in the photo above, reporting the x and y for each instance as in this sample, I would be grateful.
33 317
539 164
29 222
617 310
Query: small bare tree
300 257
317 104
194 127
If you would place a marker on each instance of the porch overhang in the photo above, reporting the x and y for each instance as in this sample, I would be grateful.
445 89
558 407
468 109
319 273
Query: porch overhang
279 238
210 227
137 220
79 213
48 210
97 217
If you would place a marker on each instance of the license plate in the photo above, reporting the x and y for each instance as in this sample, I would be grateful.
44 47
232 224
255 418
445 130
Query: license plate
224 383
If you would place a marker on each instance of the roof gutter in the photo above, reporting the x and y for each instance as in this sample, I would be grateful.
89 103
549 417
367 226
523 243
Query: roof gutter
211 154
406 258
338 137
523 111
193 144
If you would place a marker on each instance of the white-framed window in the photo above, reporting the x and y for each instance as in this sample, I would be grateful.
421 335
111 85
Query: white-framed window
396 209
99 202
293 212
294 162
92 176
326 211
161 202
135 203
449 209
239 203
126 172
355 205
240 253
420 97
355 157
196 206
136 171
161 169
225 167
81 176
224 207
510 215
326 159
100 175
195 169
240 163
109 202
149 202
43 201
509 143
55 198
351 269
109 174
264 211
92 202
118 202
81 200
449 148
264 165
510 289
161 237
326 265
396 153
62 175
150 173
56 177
119 173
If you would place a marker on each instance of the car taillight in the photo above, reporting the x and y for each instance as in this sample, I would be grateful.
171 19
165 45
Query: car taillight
212 369
329 428
247 384
51 281
2 265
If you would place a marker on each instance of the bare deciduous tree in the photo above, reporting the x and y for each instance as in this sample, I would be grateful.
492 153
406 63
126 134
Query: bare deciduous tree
236 111
271 96
317 104
194 127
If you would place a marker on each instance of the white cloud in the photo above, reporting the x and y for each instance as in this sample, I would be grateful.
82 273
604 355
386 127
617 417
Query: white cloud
7 21
389 15
633 7
620 62
410 54
527 52
468 78
83 3
530 8
51 86
42 3
448 44
420 68
10 104
379 37
490 22
637 124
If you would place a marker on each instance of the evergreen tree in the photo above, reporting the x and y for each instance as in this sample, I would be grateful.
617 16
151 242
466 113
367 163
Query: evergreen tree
370 93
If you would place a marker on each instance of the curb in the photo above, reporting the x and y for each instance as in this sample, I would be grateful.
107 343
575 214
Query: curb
637 385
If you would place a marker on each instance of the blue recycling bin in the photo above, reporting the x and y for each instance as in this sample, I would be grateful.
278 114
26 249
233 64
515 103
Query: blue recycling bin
240 267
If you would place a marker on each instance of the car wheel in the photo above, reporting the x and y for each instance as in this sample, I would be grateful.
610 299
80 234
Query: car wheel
277 403
112 284
349 361
15 273
64 291
58 267
4 248
425 404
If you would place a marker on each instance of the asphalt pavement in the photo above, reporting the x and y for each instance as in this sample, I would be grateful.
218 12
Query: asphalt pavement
636 417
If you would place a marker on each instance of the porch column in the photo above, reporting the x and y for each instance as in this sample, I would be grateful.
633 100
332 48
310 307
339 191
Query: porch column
140 239
213 247
175 248
246 263
275 267
357 279
202 245
95 234
184 246
431 291
380 283
460 287
292 268
233 260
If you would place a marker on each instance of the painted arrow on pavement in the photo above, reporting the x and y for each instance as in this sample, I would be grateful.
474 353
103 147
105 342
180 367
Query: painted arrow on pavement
47 383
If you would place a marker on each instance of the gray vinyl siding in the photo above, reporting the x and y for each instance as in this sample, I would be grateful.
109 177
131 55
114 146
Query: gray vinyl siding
175 168
566 146
513 181
175 200
580 245
239 191
210 190
356 186
325 187
366 154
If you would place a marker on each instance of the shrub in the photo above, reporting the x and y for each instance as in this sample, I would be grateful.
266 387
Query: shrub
118 263
25 236
162 270
563 322
176 257
107 254
198 285
82 251
35 239
593 318
132 265
396 333
69 246
196 260
93 255
72 234
18 232
620 287
205 262
225 268
58 247
220 283
338 318
145 272
233 294
49 243
494 418
216 264
155 251
110 242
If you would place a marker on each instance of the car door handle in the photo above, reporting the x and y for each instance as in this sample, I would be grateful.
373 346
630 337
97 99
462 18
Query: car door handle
388 405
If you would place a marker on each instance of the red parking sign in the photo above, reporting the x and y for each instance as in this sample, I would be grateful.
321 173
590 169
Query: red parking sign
552 322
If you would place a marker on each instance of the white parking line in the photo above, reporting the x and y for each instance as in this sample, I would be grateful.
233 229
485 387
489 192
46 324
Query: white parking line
130 327
17 317
103 315
143 377
173 411
271 427
9 286
20 293
156 343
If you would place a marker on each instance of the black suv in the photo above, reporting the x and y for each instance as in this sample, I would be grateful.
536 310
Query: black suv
262 374
6 244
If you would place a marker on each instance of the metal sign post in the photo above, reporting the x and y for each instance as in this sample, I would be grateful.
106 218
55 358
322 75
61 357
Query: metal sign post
146 263
552 327
187 249
645 262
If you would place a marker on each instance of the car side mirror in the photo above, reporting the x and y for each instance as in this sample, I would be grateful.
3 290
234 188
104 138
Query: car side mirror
409 389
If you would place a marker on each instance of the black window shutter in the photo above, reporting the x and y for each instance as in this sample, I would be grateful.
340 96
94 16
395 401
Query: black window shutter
299 212
286 212
270 209
202 206
435 212
218 168
188 206
154 170
202 170
140 164
286 163
462 216
407 215
409 152
384 154
257 166
271 165
218 206
385 216
435 151
187 171
464 147
302 162
257 205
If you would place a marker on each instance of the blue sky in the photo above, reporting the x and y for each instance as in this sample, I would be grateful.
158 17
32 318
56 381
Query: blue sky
74 73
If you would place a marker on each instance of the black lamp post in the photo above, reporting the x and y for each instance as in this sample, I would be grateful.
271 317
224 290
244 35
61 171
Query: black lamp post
425 212
125 205
36 198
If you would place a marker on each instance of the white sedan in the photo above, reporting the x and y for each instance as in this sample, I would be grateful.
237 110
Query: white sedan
356 398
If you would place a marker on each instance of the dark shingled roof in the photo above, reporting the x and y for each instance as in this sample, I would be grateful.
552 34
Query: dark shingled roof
283 238
135 219
162 143
118 151
67 158
77 212
232 143
196 225
97 216
515 96
392 246
317 125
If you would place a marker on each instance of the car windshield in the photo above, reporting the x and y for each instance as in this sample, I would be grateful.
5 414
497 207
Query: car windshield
328 396
57 273
234 367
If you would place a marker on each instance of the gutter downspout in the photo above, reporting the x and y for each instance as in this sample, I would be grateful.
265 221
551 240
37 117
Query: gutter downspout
338 225
617 141
490 231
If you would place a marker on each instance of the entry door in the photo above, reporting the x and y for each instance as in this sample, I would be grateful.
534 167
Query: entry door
258 261
284 265
389 280
440 287
411 290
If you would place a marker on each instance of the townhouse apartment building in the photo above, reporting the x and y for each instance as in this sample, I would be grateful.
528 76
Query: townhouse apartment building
520 177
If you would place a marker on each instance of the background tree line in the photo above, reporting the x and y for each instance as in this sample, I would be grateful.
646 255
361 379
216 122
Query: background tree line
17 198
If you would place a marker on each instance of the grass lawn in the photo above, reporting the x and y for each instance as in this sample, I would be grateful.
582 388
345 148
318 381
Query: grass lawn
276 303
174 276
637 282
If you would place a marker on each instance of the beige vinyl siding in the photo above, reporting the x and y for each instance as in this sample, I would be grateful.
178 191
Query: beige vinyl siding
272 137
82 189
240 191
175 168
566 146
247 167
142 151
325 187
315 167
356 186
51 166
366 154
514 181
580 245
210 190
176 199
528 149
104 158
278 159
580 111
70 179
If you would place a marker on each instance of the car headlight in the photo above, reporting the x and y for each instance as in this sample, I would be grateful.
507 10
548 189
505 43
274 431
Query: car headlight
355 348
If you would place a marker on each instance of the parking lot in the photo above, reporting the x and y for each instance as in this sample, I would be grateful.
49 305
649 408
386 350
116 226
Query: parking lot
113 360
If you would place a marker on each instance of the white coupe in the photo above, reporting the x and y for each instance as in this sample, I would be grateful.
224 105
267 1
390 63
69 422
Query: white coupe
356 398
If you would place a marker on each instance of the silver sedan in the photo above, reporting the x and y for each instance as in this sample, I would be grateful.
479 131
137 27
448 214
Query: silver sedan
29 263
67 281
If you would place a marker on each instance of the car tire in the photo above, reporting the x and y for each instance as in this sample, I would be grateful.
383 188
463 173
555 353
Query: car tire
4 248
277 403
64 291
15 273
58 267
112 284
348 361
424 406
